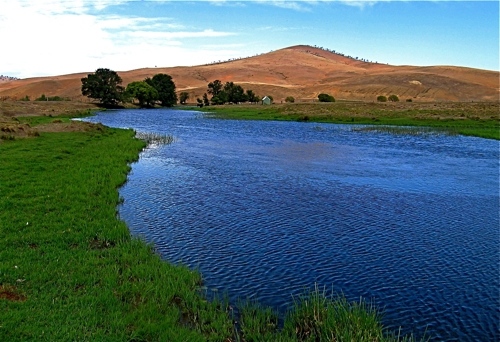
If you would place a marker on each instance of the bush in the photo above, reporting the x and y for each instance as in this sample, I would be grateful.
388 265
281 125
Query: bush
26 98
382 98
325 98
408 100
393 98
57 98
290 99
50 98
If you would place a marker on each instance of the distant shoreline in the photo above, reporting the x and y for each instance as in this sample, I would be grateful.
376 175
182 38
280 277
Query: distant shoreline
479 119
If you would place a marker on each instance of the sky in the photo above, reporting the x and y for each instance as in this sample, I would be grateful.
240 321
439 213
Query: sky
57 37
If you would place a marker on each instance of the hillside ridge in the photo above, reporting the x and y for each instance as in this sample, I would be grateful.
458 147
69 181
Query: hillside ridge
301 71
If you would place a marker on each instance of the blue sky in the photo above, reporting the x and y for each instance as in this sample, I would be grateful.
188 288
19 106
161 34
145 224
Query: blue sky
55 37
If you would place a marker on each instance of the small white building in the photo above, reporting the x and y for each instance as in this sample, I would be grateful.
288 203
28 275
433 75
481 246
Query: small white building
266 100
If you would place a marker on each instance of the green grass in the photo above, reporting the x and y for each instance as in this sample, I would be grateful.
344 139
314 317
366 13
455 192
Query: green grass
70 271
70 266
35 120
480 120
316 316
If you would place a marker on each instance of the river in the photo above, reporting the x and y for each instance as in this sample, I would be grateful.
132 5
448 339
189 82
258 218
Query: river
265 209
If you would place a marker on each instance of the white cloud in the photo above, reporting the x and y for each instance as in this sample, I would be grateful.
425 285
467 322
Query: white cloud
54 37
302 6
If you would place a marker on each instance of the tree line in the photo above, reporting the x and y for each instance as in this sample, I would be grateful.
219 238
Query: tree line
226 93
105 86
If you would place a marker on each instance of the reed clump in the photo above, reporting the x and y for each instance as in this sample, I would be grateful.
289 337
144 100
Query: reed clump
155 138
316 316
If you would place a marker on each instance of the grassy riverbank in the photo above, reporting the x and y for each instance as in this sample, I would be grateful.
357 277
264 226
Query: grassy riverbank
70 271
474 119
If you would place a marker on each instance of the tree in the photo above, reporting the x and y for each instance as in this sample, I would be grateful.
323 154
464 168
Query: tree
290 99
104 86
393 98
183 97
214 88
142 91
381 98
165 87
325 98
235 93
206 102
251 96
219 99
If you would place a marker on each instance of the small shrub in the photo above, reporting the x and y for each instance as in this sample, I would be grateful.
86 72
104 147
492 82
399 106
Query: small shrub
393 98
325 98
382 98
57 98
26 98
290 99
41 98
408 100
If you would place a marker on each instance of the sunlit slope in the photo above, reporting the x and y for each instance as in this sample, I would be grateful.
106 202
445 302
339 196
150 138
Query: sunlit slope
300 71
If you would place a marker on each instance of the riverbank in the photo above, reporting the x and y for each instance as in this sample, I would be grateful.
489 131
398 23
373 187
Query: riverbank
71 271
473 119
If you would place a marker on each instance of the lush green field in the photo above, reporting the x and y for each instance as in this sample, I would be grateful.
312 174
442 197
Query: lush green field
475 119
70 271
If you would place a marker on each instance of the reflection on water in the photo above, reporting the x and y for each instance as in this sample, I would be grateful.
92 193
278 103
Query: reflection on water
264 209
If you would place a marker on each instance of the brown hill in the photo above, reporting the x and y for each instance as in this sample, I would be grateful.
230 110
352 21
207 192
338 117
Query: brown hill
299 71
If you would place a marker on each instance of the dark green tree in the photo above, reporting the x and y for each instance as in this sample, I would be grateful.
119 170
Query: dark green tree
393 98
325 98
220 98
235 93
290 99
252 97
143 92
214 88
206 102
104 86
183 97
165 87
381 98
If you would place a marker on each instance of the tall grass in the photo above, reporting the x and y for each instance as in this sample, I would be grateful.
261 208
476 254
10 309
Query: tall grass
316 316
155 138
406 130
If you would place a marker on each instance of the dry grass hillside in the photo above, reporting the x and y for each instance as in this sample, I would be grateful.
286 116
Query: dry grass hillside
299 71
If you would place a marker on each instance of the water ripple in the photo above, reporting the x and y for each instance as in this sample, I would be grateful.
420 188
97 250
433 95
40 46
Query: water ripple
266 209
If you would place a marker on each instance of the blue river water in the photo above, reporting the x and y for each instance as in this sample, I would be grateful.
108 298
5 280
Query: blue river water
264 209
